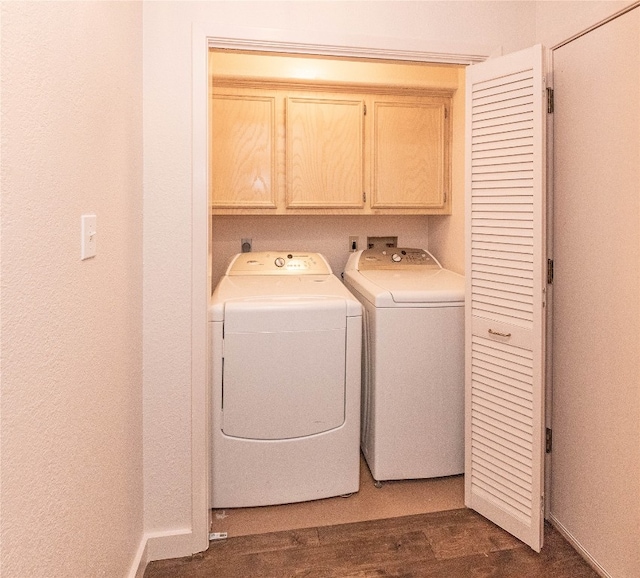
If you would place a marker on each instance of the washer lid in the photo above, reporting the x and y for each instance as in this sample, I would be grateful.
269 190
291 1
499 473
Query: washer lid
425 286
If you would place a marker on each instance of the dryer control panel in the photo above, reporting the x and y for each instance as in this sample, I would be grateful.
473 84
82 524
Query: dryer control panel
397 258
279 263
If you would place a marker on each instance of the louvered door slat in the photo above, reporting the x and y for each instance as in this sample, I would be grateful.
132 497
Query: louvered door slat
500 137
500 232
481 244
506 259
518 293
502 449
485 383
513 380
509 254
491 166
502 154
502 147
505 292
510 462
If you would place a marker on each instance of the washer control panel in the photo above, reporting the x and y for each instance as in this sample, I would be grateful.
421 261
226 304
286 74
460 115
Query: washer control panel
396 258
279 263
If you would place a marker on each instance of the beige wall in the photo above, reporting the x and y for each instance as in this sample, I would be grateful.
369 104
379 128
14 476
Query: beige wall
71 344
595 475
559 20
446 233
444 27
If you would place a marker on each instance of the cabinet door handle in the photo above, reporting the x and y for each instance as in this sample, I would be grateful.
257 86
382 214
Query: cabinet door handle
492 332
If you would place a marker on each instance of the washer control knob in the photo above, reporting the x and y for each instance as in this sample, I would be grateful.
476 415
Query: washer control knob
396 258
279 262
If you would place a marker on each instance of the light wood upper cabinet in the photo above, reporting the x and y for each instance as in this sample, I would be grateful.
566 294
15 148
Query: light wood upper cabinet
324 153
333 150
243 151
410 163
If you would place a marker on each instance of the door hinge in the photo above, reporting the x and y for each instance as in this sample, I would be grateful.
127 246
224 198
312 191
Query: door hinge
446 113
364 197
549 100
549 271
548 439
365 110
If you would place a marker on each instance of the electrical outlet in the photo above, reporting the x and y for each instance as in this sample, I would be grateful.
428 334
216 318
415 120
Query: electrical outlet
353 244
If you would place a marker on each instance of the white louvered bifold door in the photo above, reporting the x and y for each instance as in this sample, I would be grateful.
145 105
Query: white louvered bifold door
505 268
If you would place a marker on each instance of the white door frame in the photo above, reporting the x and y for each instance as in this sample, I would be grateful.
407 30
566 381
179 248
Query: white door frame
265 40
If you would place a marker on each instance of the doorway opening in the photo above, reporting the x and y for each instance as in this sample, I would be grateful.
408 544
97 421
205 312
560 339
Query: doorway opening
228 229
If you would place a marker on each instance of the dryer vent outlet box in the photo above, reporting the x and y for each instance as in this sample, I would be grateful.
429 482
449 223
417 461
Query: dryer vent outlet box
382 242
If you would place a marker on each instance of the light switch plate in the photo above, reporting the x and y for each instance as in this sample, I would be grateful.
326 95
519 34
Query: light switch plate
88 232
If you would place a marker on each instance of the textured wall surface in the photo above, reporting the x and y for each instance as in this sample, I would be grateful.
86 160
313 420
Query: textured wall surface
446 233
559 20
595 473
71 346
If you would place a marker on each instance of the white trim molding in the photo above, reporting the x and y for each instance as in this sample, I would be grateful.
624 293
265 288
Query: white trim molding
140 560
201 291
602 22
568 536
352 46
161 546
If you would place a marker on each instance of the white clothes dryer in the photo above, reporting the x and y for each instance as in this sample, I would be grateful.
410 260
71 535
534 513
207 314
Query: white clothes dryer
286 340
413 370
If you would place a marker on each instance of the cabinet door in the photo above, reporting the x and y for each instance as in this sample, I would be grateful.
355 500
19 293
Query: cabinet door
324 152
243 151
506 292
410 154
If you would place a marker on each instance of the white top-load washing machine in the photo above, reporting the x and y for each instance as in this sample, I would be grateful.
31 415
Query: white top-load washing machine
413 370
286 340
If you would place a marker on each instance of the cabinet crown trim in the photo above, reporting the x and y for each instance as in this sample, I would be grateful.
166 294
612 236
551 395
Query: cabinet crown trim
327 86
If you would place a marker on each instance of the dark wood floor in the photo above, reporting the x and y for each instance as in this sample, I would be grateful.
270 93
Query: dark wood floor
457 543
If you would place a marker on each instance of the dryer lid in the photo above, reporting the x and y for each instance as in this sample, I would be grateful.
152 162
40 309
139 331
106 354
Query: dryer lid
254 291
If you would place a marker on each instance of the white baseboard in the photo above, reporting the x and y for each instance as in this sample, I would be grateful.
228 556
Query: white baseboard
578 546
140 561
161 546
169 544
